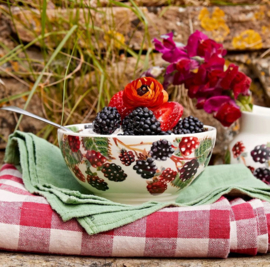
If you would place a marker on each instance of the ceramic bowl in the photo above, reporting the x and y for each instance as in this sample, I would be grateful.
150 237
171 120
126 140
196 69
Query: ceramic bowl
135 169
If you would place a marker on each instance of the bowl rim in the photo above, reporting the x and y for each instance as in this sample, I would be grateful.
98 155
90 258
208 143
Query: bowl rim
210 129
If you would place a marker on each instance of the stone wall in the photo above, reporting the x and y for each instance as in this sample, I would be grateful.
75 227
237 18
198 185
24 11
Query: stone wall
242 26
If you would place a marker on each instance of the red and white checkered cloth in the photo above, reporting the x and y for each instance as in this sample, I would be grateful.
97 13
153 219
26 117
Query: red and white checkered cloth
27 223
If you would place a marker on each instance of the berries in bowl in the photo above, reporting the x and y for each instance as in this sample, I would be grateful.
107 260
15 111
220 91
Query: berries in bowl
139 148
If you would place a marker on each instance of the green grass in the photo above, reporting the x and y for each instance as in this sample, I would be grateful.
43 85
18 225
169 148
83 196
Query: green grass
74 78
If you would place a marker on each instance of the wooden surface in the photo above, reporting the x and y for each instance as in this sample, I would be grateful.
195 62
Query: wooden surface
8 259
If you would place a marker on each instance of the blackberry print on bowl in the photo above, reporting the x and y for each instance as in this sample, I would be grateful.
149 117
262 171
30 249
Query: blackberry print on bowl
189 170
260 153
146 168
97 182
161 150
262 174
126 157
113 172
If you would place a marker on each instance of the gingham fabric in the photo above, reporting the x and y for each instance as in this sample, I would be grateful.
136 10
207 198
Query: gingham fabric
27 223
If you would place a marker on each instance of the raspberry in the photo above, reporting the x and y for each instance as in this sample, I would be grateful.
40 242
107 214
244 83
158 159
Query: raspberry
95 158
260 153
74 143
107 121
113 172
146 168
78 173
156 187
252 169
237 149
117 102
188 125
127 157
263 174
167 175
96 182
188 145
161 150
189 169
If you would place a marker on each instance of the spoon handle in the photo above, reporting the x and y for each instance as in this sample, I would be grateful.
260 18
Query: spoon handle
24 112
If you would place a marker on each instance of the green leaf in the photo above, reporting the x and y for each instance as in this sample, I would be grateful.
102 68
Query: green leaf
99 144
74 129
179 183
245 103
178 154
88 171
203 150
227 157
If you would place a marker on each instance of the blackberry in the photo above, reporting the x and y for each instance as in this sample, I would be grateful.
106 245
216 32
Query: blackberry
107 121
263 174
127 157
188 125
146 168
96 182
113 172
141 121
260 153
161 150
189 169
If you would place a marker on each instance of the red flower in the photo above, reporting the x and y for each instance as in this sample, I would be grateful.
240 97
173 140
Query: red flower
236 81
209 47
144 92
228 113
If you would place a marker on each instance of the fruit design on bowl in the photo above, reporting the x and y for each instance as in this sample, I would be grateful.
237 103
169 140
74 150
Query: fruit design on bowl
138 151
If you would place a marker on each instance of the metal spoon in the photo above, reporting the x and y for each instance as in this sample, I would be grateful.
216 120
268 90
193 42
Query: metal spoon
24 112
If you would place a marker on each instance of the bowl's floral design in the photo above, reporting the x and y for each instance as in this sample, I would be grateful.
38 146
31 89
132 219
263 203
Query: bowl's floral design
103 162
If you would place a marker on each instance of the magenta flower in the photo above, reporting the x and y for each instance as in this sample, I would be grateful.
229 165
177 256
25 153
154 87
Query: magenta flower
171 52
193 43
213 104
181 70
200 66
224 109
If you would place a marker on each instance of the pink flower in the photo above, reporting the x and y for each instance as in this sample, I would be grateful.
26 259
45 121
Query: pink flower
171 52
194 42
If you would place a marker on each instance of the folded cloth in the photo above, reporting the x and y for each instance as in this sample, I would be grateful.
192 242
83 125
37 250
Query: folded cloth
45 173
199 231
205 231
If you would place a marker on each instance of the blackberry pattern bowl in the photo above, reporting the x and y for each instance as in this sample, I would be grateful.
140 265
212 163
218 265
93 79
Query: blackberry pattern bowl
136 169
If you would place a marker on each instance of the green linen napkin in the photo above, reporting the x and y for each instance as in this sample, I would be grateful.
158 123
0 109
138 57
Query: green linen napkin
45 173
